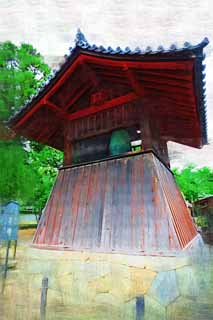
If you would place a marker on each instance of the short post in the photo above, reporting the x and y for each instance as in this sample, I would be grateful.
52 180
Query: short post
43 298
6 265
140 308
15 248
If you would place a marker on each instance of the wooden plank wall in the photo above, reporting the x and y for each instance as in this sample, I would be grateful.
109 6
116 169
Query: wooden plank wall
123 115
130 205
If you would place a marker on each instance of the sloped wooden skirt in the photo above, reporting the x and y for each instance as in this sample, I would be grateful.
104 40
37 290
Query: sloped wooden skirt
130 204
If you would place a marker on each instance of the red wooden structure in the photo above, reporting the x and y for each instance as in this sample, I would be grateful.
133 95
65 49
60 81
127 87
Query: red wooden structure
126 202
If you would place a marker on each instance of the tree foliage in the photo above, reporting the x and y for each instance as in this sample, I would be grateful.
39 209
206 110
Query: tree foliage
17 180
195 183
44 162
26 174
22 70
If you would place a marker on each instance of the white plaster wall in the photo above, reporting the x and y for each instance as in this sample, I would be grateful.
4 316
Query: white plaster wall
50 25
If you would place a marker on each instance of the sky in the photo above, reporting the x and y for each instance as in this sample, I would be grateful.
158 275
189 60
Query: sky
50 26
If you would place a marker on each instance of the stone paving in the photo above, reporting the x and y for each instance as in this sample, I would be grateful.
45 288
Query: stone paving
92 286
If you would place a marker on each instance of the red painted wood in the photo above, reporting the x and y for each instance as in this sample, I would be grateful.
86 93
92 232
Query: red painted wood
185 66
50 92
55 108
129 204
78 61
169 84
122 116
107 105
77 95
27 115
184 77
142 75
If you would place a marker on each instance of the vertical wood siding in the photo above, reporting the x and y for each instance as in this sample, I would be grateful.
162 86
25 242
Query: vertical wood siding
131 205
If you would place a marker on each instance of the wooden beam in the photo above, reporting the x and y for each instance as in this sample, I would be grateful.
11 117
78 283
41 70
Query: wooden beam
193 142
27 115
184 66
105 71
55 108
170 102
167 88
107 105
135 79
79 92
135 84
115 78
160 79
163 151
178 75
91 73
155 130
83 88
68 146
88 71
180 94
185 77
145 127
65 75
93 133
177 98
50 92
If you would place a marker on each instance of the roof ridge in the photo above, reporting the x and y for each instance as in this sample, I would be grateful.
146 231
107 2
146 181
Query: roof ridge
81 42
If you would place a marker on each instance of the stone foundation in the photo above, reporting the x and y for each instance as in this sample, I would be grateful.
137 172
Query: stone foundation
90 286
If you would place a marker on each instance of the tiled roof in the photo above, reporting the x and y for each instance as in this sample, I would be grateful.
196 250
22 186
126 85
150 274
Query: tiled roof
80 41
171 53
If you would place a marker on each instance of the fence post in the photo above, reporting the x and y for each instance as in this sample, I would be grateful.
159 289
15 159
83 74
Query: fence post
43 298
15 248
140 308
6 265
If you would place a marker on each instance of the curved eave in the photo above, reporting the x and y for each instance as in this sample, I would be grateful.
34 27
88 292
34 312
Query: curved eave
173 54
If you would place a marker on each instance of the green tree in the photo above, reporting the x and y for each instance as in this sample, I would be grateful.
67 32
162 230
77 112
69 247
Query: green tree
17 180
195 183
22 70
44 162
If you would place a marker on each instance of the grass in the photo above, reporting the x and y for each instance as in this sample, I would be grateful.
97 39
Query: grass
27 225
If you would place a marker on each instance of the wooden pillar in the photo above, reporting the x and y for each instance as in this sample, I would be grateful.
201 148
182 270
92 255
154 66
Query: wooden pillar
164 155
146 133
68 146
151 135
155 129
